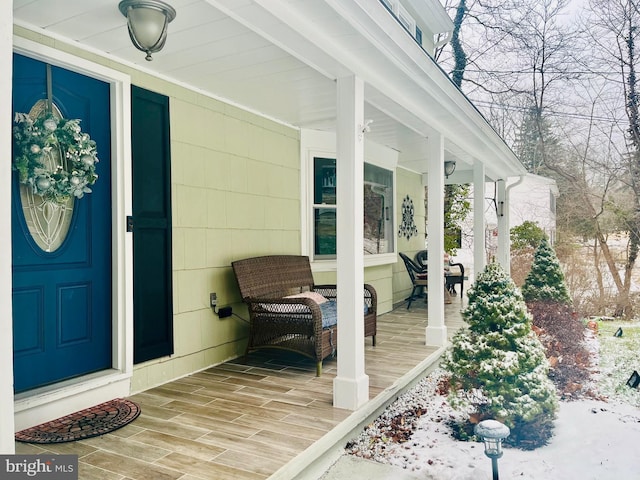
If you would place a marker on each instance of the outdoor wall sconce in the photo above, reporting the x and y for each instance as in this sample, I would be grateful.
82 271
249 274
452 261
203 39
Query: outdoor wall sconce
147 21
449 167
634 380
492 433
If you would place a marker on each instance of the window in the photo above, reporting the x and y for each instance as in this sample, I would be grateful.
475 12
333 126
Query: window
324 207
378 209
404 18
419 36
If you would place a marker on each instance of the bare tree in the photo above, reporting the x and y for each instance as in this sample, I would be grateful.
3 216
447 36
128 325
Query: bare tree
524 65
459 56
515 57
613 29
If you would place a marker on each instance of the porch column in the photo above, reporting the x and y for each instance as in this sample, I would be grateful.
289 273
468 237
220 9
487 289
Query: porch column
6 331
504 243
436 332
351 385
479 246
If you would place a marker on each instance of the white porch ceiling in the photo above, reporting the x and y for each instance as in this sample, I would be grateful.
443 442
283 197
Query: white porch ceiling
280 58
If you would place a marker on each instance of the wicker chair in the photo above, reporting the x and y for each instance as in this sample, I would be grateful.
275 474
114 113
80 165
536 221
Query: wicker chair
279 321
453 277
418 276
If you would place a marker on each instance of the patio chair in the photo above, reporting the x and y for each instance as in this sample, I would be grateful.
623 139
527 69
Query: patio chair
453 273
454 276
418 276
421 258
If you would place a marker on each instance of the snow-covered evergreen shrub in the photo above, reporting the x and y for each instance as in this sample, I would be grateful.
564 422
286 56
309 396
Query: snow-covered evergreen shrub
498 366
545 280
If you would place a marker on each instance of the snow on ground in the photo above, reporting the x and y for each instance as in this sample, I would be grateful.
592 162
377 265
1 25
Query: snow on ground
593 439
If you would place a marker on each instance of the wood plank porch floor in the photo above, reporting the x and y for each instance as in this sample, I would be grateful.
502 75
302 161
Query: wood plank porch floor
247 418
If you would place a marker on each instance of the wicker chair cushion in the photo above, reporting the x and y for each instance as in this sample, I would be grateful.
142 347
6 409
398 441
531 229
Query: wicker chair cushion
329 314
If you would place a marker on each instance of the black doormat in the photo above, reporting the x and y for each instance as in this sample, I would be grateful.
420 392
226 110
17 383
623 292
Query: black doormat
91 422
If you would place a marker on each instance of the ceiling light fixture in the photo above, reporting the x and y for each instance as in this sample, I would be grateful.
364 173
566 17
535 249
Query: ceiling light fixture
449 167
147 21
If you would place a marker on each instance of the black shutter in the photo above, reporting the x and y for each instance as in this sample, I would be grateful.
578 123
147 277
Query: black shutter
151 225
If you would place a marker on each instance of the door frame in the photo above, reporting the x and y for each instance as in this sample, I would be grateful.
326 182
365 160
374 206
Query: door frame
47 403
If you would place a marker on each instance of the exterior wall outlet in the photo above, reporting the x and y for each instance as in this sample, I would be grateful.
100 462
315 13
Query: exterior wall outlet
213 299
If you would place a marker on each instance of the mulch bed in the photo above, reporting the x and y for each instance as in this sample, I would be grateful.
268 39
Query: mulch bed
91 422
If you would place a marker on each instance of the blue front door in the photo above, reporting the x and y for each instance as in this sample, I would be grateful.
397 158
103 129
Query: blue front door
62 312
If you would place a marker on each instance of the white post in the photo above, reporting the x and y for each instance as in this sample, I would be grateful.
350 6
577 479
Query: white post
436 332
7 424
351 385
479 253
504 243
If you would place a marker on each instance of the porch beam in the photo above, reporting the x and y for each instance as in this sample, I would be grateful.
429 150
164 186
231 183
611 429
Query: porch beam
436 331
351 385
479 245
7 424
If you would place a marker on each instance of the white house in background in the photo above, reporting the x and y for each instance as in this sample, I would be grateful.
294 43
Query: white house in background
531 198
213 152
534 199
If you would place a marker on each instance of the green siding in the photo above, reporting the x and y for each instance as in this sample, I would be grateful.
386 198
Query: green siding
408 183
235 194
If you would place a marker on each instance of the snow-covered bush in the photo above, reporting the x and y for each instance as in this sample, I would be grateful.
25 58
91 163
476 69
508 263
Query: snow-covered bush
545 281
498 366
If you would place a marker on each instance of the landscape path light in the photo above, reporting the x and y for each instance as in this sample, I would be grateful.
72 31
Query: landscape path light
492 433
634 380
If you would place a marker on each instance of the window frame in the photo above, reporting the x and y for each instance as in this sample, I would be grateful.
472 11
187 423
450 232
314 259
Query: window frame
316 144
